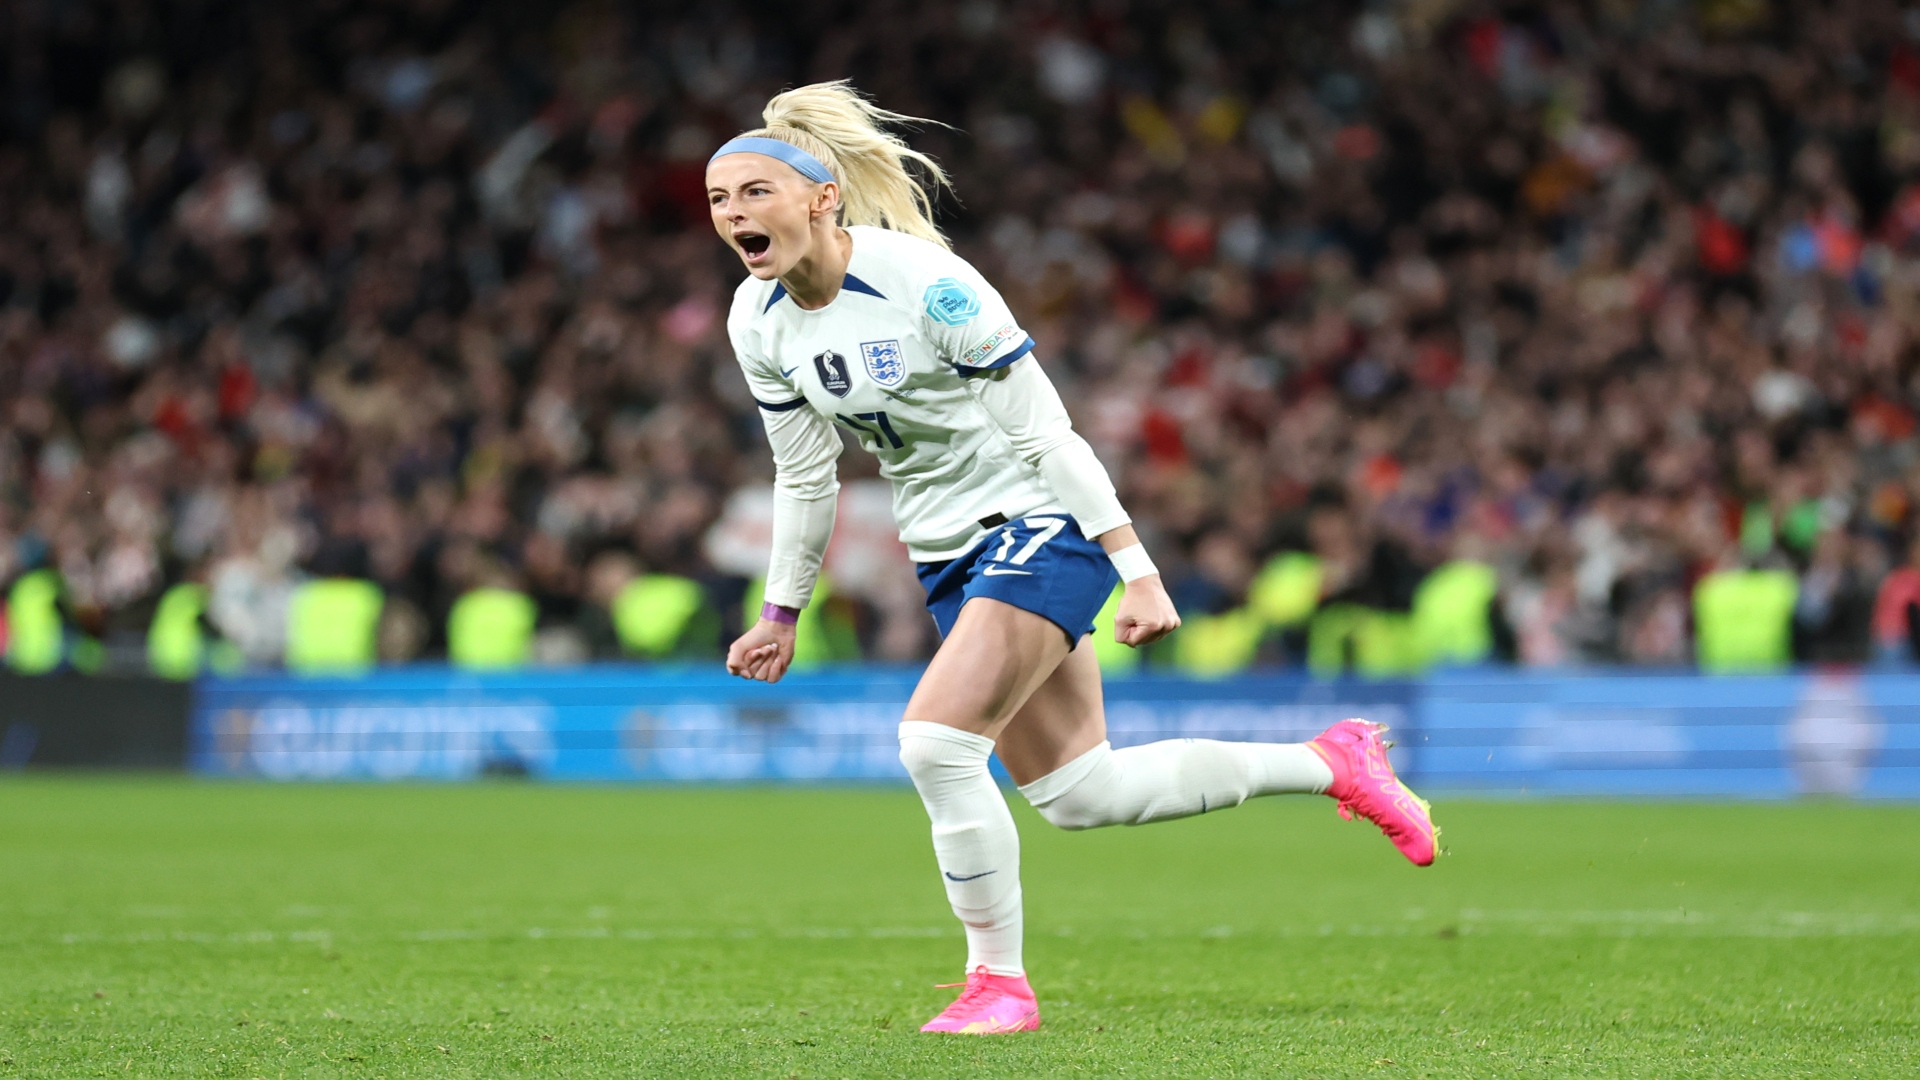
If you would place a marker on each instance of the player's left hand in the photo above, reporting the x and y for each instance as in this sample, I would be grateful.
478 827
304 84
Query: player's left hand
763 652
1146 613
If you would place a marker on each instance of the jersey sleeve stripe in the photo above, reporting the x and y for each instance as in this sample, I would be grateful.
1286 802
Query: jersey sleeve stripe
966 372
781 406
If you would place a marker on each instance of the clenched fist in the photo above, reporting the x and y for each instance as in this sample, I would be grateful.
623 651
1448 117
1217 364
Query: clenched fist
1146 613
763 652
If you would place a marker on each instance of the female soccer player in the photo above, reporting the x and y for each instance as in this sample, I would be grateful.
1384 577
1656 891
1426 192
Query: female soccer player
855 313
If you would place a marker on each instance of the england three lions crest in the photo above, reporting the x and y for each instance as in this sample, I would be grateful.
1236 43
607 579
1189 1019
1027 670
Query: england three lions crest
885 362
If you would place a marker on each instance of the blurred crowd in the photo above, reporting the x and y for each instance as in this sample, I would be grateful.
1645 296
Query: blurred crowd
1605 296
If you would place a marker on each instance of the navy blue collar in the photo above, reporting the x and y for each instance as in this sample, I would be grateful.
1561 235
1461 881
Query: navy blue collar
850 284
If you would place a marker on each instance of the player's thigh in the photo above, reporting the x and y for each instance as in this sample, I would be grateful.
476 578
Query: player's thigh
993 658
1063 719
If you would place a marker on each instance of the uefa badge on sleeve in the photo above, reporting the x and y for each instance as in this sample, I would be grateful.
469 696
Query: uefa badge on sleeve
885 363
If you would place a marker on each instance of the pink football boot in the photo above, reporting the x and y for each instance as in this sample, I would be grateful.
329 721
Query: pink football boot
990 1005
1364 783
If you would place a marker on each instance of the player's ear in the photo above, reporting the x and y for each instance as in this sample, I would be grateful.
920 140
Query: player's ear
826 199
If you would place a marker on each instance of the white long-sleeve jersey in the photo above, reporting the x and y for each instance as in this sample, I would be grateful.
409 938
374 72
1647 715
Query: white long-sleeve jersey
920 357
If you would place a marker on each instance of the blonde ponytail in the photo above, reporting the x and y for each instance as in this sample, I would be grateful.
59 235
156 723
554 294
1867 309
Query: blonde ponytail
834 123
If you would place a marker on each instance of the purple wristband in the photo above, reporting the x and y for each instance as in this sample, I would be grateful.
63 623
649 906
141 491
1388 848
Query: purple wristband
773 612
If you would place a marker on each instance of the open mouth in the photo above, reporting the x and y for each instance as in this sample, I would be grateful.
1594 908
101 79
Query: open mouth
754 244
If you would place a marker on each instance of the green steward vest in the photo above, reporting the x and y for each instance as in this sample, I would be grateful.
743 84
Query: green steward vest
664 615
1374 643
1743 620
1114 658
35 631
1213 646
491 628
176 645
1450 613
86 654
821 637
1287 589
333 626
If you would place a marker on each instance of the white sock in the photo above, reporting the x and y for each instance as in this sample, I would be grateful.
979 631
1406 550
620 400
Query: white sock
974 840
1172 779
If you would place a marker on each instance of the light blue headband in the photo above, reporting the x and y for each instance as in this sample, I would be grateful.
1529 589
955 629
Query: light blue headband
803 163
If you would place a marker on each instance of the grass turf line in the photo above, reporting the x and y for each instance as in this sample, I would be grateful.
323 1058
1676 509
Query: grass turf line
164 927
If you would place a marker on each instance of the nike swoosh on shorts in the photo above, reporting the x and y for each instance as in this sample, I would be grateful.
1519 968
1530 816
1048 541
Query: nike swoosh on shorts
995 570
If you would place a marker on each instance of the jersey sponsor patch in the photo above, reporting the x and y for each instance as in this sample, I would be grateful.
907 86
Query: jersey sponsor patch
977 355
885 362
832 369
951 301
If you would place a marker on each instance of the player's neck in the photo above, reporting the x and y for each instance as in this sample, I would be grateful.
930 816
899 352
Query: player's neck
815 280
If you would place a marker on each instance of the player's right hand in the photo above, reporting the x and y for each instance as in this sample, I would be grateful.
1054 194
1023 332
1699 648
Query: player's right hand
763 652
1146 613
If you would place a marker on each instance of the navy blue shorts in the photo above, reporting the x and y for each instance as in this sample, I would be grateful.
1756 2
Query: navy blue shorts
1040 564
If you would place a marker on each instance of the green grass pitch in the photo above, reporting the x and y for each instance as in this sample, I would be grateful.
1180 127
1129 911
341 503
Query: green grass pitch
166 927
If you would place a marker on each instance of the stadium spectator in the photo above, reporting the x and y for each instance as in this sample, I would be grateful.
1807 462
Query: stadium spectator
1613 290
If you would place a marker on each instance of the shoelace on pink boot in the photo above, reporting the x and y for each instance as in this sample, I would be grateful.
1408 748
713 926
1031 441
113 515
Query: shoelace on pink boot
990 1005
